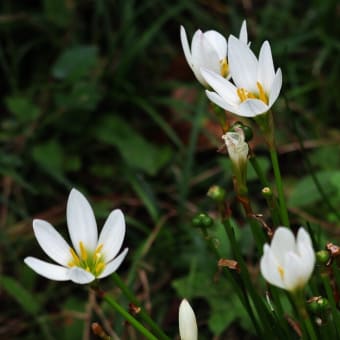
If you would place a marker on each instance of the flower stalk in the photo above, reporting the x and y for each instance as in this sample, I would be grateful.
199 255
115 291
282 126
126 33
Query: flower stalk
128 317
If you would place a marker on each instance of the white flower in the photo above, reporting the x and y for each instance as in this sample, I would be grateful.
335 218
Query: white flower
237 147
208 50
288 263
187 321
256 85
90 258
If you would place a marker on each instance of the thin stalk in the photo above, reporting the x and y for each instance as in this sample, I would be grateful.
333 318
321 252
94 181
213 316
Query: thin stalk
332 302
279 186
307 327
256 166
237 284
128 317
142 314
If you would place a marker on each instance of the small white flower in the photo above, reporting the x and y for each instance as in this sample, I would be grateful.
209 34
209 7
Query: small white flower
90 258
288 263
237 147
256 85
208 50
187 321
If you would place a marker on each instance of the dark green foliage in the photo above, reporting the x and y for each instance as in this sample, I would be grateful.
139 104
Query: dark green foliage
97 95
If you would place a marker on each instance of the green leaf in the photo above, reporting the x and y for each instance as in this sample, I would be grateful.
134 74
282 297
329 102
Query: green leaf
75 63
57 12
23 108
50 158
24 298
135 150
305 192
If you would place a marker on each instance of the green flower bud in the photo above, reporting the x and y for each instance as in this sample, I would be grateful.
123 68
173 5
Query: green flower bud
322 256
202 220
216 193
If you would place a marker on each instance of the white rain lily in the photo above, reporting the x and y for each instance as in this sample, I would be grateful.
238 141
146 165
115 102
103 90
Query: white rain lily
91 257
187 321
209 50
256 85
288 263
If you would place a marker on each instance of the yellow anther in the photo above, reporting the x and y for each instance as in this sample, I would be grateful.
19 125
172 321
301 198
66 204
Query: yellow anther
83 252
281 272
99 249
99 267
244 94
262 94
224 68
75 261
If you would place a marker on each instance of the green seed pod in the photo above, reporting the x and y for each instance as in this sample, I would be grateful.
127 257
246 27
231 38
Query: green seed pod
216 193
322 256
318 305
202 220
267 192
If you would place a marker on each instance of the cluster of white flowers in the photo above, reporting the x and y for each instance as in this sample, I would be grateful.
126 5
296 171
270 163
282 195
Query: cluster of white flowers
243 84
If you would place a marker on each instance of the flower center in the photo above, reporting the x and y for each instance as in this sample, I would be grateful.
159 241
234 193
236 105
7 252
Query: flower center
243 94
224 68
281 272
91 262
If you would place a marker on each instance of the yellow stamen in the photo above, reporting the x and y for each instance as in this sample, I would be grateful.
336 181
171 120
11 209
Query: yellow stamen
83 252
224 68
244 94
262 94
75 261
281 272
99 267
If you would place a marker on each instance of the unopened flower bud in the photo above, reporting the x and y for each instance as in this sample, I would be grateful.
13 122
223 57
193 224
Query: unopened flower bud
216 193
202 220
322 256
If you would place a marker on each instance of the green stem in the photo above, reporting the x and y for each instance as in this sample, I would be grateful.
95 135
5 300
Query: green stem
127 316
256 166
279 186
142 314
308 329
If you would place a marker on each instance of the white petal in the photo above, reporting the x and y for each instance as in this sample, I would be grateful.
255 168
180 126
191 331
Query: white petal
204 55
276 87
185 46
243 32
114 264
282 243
295 275
218 42
48 270
266 72
215 98
222 86
269 268
112 235
51 242
243 64
187 322
81 221
305 250
80 276
252 108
